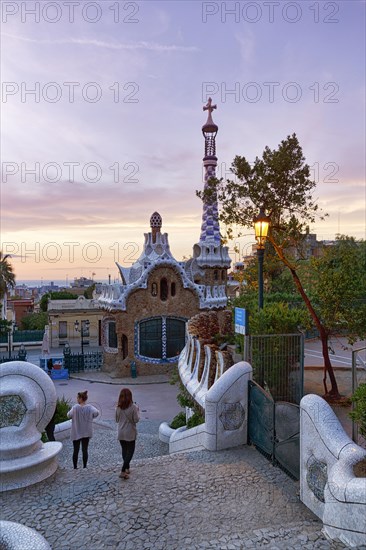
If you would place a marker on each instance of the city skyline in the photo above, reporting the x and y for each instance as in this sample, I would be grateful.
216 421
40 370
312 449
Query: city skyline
102 115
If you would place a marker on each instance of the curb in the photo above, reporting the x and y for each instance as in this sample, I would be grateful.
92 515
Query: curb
121 381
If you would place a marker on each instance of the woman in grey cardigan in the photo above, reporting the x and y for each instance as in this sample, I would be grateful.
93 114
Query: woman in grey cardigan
127 416
81 426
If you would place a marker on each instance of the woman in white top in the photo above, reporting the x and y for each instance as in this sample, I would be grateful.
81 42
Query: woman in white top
81 426
127 416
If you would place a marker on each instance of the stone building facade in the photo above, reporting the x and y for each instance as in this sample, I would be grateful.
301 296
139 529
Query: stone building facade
145 315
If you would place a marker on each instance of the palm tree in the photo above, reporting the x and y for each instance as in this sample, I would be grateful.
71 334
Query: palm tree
7 275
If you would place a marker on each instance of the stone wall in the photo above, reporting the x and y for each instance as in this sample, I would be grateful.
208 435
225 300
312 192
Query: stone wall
206 325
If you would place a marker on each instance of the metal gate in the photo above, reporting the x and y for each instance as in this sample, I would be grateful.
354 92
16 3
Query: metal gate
79 362
274 429
278 364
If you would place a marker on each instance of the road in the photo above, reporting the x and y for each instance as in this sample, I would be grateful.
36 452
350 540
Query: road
156 401
341 358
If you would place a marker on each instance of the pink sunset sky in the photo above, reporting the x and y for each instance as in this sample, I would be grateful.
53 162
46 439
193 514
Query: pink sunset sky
101 110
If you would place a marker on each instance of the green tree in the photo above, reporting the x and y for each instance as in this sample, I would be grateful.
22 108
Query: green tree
7 275
88 293
61 295
34 321
338 287
280 183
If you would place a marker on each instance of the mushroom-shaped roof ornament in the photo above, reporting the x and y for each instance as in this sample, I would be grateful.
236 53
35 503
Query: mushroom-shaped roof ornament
156 221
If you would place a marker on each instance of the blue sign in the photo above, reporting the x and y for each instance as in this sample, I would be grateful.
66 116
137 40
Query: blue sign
240 320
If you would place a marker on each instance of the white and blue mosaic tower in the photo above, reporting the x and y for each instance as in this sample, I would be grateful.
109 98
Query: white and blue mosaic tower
210 229
211 258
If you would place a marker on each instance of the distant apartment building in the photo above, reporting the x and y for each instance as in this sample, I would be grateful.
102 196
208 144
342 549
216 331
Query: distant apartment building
19 308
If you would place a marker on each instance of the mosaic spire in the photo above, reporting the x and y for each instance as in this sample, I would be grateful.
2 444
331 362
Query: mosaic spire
210 229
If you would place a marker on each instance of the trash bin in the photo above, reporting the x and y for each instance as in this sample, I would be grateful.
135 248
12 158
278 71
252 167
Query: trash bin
133 369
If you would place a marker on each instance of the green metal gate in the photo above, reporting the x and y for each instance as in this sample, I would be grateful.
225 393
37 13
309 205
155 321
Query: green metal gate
80 362
278 364
274 429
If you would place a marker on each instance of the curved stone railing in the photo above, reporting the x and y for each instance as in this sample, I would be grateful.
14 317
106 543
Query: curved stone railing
226 415
194 355
328 483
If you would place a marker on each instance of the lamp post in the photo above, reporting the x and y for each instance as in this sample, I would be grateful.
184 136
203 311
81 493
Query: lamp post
261 225
84 327
11 329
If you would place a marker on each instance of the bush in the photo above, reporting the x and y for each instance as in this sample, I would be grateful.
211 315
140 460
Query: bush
359 412
178 421
184 398
63 406
195 420
34 321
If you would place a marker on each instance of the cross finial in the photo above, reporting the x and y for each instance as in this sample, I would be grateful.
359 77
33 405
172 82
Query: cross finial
209 107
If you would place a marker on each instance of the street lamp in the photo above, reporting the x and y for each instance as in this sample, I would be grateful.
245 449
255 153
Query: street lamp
10 329
84 328
261 226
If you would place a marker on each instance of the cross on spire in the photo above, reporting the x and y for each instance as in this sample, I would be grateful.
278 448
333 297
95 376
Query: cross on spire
209 107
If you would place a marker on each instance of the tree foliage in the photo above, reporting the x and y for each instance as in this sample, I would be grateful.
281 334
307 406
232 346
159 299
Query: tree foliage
338 287
280 314
88 293
34 321
7 275
280 183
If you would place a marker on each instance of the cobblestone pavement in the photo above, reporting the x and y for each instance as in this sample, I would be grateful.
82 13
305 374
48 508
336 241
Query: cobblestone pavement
226 500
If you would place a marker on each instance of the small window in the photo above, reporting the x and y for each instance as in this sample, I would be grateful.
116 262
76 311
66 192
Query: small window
154 289
223 275
62 329
216 275
173 289
124 346
112 335
163 290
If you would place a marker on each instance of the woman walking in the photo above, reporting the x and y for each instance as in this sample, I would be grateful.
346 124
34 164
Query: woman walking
81 426
127 416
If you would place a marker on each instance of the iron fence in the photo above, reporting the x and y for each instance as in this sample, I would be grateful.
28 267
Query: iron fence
28 335
80 362
18 357
278 364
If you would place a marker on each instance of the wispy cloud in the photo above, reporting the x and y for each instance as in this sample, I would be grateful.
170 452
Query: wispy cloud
141 45
246 42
